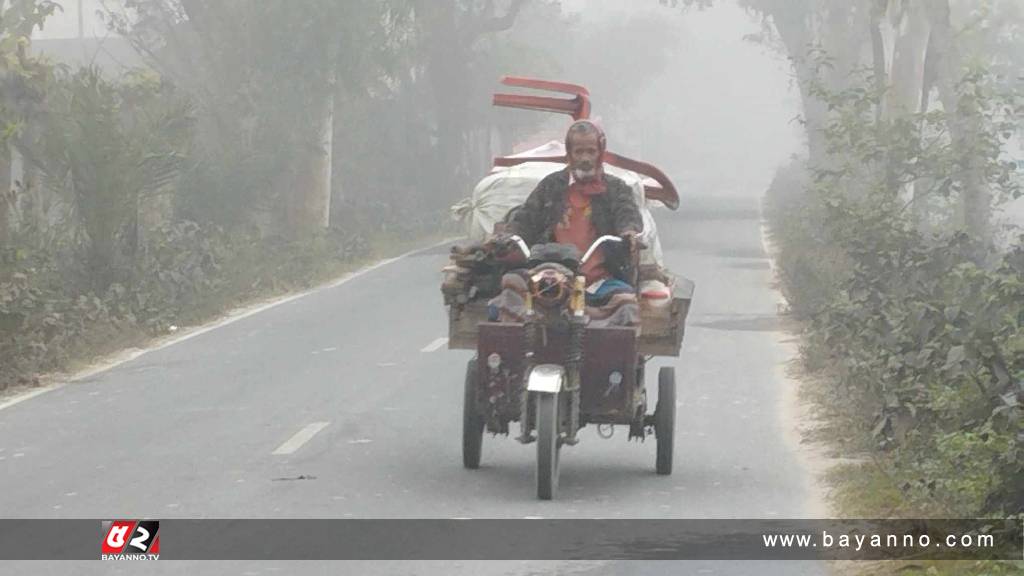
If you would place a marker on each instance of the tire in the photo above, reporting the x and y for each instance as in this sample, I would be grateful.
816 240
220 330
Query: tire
665 419
472 423
547 445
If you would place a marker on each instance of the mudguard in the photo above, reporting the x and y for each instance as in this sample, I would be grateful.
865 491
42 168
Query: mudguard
547 378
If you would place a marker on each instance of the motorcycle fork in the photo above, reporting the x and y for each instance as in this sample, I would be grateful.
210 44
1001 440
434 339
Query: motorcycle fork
530 340
574 368
638 427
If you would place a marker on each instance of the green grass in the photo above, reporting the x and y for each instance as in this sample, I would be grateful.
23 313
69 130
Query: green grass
866 489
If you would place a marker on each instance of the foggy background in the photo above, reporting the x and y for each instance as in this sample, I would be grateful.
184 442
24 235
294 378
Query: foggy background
186 158
173 158
695 92
718 110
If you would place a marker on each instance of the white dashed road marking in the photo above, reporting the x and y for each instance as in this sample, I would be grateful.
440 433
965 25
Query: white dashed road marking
300 438
435 345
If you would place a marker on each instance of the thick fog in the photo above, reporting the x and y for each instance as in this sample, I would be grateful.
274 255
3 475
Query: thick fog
701 93
719 112
269 239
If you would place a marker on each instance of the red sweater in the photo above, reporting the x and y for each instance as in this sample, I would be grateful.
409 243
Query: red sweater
577 229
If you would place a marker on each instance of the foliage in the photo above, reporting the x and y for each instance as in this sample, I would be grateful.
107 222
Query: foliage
933 343
106 147
21 76
42 324
261 76
190 274
155 198
808 278
923 336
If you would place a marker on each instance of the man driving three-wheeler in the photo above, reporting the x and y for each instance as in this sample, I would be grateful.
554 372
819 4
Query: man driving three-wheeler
564 299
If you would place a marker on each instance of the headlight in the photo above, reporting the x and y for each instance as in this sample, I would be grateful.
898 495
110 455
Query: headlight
549 287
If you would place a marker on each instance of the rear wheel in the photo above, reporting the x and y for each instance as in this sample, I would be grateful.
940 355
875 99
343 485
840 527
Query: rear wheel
665 419
547 445
472 423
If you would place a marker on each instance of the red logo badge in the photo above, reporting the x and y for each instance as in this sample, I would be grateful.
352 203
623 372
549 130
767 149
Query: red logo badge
131 540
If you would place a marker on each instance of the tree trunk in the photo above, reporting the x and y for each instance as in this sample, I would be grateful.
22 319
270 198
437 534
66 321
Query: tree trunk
448 77
976 201
925 184
450 29
842 36
795 35
326 164
309 202
907 75
929 74
878 57
6 194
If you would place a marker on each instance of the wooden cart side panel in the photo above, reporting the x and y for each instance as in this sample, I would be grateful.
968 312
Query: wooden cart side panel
464 325
661 333
501 387
608 350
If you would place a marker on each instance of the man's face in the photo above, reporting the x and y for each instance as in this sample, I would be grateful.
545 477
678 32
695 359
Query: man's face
583 155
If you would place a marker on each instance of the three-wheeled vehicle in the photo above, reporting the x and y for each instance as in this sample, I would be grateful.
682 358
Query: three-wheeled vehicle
556 371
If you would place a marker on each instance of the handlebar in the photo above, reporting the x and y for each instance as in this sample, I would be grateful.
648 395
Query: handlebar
634 254
518 242
522 246
597 244
503 243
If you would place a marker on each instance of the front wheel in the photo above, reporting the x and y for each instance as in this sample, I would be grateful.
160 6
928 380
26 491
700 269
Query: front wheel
665 419
547 445
472 423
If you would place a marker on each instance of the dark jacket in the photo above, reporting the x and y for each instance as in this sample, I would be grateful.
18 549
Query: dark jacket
613 212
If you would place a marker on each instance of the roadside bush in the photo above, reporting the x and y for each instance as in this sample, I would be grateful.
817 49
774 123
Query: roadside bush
42 322
187 274
917 328
182 264
125 239
810 265
932 346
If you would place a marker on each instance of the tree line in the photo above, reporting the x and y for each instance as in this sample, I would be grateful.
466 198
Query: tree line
262 145
907 284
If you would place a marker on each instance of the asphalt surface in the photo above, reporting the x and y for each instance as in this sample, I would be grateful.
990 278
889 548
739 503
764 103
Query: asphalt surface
344 404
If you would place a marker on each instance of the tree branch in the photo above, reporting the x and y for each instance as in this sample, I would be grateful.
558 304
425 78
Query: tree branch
497 23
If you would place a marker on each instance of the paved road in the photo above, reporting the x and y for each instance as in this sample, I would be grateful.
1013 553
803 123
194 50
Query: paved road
357 371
